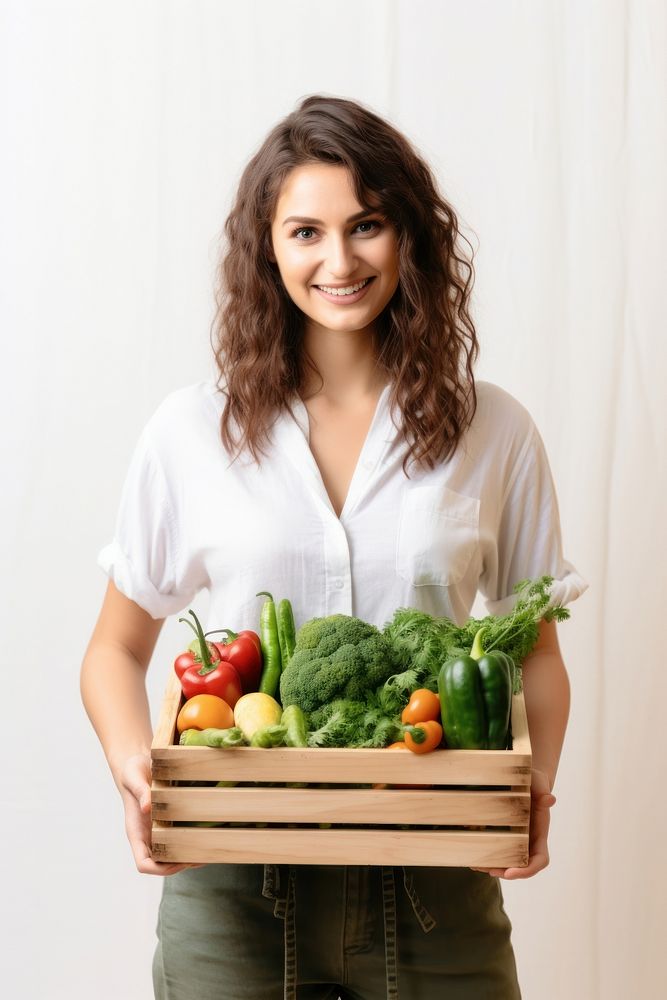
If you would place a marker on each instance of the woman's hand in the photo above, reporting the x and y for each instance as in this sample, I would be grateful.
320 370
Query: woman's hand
541 801
135 790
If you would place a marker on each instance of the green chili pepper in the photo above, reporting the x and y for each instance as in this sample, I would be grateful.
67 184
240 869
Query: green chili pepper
268 637
476 698
286 631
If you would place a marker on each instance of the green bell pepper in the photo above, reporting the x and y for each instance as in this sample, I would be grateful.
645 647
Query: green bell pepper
476 699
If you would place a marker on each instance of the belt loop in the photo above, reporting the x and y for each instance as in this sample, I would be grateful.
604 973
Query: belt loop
271 883
271 889
389 906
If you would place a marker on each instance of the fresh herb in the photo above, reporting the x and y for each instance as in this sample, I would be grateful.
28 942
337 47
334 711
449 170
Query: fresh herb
424 642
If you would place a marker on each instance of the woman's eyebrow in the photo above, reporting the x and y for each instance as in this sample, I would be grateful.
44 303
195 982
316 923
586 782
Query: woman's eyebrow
318 222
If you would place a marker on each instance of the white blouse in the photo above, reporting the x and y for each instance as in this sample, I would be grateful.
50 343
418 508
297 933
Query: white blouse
191 520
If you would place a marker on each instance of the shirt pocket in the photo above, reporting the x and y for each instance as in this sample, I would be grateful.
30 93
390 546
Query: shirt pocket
438 534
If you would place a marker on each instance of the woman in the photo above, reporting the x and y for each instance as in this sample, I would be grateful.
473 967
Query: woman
345 458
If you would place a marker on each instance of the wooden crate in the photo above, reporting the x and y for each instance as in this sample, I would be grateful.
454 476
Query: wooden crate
476 814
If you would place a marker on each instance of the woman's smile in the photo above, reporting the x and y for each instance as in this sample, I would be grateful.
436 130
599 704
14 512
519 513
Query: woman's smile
346 294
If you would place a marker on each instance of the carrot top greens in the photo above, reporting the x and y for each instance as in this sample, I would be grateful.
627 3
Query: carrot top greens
424 642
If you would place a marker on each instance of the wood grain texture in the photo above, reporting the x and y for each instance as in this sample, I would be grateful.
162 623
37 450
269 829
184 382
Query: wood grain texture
315 805
342 847
442 767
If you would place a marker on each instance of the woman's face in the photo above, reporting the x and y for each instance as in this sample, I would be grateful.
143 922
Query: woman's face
324 239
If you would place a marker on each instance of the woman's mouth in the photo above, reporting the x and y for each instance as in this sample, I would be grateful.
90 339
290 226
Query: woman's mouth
348 294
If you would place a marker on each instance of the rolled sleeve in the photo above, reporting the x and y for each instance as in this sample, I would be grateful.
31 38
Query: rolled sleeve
136 585
143 558
528 541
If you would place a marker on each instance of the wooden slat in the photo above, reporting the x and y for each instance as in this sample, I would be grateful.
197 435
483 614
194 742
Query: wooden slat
443 767
520 735
166 725
342 847
306 805
160 820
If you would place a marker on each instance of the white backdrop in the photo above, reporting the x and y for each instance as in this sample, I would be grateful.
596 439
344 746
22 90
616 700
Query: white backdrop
124 129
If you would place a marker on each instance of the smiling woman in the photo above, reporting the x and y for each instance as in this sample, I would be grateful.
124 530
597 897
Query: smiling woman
345 352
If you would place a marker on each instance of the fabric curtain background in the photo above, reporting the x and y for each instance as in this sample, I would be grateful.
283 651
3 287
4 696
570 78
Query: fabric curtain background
124 129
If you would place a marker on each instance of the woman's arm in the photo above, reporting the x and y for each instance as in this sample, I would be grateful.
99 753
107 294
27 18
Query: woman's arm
546 689
113 691
113 678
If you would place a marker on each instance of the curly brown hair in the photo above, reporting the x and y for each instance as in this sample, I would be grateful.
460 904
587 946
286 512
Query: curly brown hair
425 338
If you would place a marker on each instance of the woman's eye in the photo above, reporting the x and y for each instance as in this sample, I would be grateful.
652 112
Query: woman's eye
308 229
371 222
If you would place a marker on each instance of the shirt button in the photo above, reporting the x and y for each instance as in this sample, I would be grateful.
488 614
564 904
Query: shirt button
338 583
368 464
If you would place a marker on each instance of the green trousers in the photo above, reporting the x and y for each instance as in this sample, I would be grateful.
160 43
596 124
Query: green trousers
303 932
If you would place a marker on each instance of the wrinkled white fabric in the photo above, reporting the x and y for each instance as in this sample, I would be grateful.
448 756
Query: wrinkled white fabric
191 519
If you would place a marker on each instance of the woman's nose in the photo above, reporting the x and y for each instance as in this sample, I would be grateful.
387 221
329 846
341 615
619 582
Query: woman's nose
340 259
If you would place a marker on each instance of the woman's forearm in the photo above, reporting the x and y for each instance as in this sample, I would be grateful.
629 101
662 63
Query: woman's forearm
546 688
113 690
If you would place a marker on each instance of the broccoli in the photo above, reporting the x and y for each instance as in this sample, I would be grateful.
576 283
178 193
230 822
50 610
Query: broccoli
336 657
